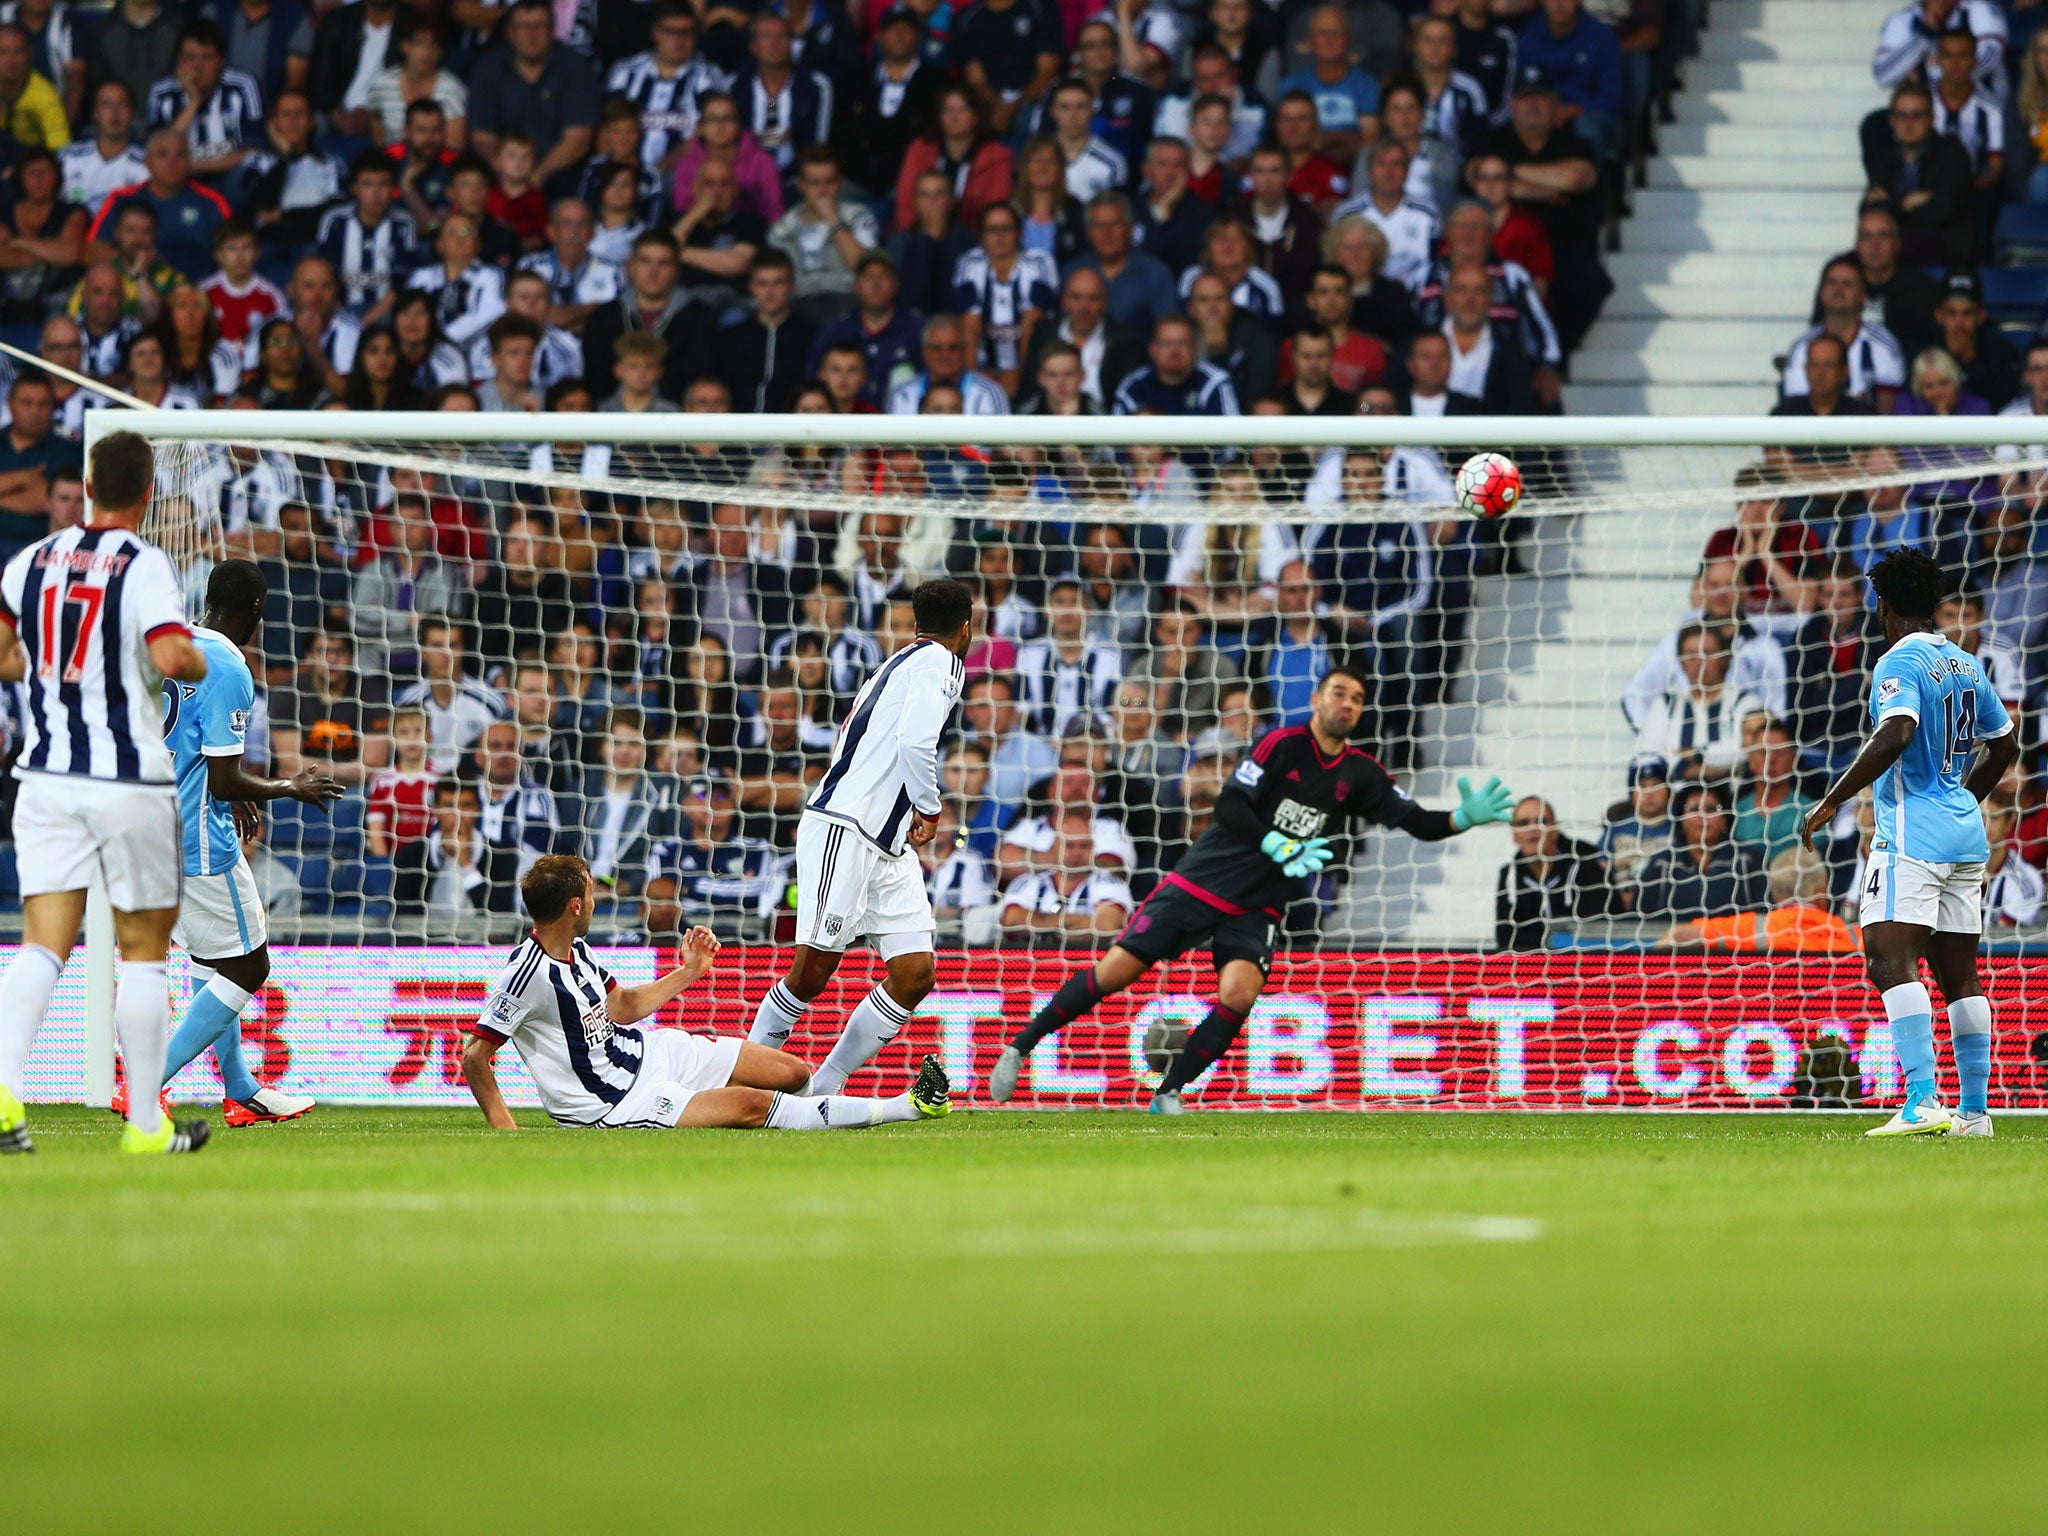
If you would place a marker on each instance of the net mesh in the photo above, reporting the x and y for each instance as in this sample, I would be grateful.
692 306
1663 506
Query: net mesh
643 654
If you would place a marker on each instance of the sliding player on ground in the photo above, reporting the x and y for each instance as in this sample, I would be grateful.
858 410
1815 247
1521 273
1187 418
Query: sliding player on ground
1931 710
1233 886
92 619
573 1026
220 919
857 869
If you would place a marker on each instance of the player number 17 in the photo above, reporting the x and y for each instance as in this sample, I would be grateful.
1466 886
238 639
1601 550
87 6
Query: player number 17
88 599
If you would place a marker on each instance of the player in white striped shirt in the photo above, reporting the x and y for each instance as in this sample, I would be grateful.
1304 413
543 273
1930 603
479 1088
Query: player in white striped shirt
92 619
574 1027
857 869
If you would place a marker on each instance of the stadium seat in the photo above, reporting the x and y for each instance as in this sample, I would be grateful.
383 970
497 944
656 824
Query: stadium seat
296 829
2016 294
2022 234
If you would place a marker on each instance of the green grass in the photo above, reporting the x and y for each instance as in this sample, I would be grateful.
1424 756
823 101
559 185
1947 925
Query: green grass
382 1321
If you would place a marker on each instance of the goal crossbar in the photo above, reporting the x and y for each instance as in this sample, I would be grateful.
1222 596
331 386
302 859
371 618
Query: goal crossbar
746 429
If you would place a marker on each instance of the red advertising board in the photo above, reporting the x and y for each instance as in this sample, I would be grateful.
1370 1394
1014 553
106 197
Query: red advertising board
1333 1031
1423 1031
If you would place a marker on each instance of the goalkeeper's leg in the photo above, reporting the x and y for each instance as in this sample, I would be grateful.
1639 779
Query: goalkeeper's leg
1238 986
1077 997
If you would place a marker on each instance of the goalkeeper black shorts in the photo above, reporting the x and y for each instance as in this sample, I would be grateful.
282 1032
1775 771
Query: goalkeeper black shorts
1173 920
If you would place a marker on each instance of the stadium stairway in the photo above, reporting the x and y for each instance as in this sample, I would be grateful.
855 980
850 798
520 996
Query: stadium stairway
1756 185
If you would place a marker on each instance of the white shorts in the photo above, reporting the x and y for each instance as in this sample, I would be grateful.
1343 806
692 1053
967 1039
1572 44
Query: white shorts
69 829
221 916
847 888
679 1066
1949 898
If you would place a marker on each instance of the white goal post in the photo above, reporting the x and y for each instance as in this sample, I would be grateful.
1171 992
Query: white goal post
1539 676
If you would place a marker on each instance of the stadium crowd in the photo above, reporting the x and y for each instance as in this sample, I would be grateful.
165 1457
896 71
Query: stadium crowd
1743 712
1325 207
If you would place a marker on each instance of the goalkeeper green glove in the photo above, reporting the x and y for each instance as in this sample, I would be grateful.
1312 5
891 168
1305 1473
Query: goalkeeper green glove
1295 856
1476 807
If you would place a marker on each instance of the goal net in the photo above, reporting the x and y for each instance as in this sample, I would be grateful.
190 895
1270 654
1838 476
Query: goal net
637 642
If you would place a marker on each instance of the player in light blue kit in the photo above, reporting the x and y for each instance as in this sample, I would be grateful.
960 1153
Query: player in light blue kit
1941 741
220 914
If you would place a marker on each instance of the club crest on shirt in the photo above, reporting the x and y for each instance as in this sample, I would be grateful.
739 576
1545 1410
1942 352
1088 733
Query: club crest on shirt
832 927
1342 791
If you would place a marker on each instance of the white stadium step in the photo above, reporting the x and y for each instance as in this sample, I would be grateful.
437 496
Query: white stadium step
1719 45
1788 299
1816 235
1708 269
1704 173
1797 112
1853 24
1834 80
1717 369
1670 399
1656 208
1755 140
1745 337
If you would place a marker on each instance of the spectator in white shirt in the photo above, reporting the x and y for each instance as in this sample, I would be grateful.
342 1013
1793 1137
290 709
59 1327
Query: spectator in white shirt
218 110
1092 166
825 236
1065 678
1877 364
1907 41
96 167
1411 229
1073 901
2014 891
470 295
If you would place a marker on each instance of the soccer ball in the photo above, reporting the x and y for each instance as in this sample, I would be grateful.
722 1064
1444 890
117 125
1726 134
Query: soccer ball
1163 1040
1489 485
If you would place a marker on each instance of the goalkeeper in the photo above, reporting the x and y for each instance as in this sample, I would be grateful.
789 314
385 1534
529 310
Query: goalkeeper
1233 885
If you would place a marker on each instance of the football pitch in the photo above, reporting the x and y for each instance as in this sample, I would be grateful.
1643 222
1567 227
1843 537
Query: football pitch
393 1321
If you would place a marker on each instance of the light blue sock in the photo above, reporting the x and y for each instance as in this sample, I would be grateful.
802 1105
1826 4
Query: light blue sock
1969 1027
1911 1012
214 1017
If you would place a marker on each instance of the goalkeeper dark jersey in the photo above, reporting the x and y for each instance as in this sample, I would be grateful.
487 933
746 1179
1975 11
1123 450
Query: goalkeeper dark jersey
1288 785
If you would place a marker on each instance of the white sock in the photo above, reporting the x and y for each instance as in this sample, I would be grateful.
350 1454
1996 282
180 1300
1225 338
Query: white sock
870 1027
780 1012
1970 1016
24 999
142 1018
835 1112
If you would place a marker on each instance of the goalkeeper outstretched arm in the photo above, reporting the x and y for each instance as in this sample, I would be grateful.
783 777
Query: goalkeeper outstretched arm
1238 810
